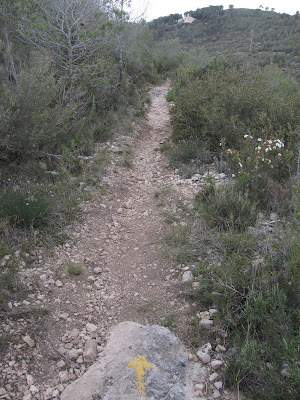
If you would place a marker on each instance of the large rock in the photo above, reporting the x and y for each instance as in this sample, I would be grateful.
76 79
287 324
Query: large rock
139 362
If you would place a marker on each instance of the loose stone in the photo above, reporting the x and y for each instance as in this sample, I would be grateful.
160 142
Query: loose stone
218 385
216 394
187 276
206 322
204 357
91 327
216 364
213 377
90 353
27 339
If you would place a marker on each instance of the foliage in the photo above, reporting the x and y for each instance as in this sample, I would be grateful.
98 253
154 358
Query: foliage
226 207
255 37
73 268
266 364
233 102
30 204
9 281
242 116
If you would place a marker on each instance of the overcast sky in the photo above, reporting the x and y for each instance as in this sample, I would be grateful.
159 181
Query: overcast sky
160 8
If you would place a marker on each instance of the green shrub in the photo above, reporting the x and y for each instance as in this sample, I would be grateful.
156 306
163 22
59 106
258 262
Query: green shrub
9 281
256 289
24 208
268 194
267 362
171 95
188 157
73 268
229 102
226 207
33 205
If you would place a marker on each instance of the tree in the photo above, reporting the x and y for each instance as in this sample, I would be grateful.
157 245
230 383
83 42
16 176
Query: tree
121 18
13 52
231 6
71 30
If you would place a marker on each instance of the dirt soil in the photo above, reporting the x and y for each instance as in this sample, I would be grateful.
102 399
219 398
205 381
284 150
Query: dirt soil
126 276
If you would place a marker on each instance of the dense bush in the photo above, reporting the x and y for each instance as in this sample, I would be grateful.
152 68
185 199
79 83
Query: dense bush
230 102
33 121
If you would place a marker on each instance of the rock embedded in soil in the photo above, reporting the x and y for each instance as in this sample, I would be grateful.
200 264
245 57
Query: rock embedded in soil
187 276
90 353
204 357
216 364
27 339
146 362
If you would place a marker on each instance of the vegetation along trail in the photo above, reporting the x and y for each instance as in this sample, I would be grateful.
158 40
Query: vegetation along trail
117 270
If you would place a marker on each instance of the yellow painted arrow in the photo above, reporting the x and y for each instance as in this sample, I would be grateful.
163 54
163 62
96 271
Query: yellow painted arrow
140 364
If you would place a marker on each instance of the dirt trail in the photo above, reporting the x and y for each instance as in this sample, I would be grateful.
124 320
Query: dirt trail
122 234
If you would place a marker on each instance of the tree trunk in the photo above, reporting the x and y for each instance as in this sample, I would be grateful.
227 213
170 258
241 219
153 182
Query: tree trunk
121 68
10 60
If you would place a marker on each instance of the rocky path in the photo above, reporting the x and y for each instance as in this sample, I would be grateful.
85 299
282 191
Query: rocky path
125 275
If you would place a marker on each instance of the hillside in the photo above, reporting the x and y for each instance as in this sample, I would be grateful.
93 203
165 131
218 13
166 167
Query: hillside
256 36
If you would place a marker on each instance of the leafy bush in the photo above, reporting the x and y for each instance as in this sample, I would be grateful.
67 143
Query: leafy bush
220 101
188 157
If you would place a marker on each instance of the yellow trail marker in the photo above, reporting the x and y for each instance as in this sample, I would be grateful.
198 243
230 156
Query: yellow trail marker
140 364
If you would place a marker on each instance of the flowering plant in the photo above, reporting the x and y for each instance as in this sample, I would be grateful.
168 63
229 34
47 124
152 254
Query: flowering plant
259 155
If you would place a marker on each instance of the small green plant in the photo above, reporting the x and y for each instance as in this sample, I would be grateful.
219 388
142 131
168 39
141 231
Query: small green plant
269 341
73 269
171 95
146 307
128 156
169 320
10 285
161 191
